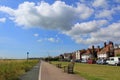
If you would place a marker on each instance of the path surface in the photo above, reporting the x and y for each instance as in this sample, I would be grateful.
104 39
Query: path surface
51 72
33 74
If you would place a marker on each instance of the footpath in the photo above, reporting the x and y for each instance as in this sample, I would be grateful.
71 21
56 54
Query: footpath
46 71
33 74
51 72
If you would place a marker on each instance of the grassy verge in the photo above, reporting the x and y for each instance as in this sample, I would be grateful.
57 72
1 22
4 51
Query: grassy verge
96 72
12 69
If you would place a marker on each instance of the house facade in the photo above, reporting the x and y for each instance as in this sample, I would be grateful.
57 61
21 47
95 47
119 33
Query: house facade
90 53
86 54
78 55
106 51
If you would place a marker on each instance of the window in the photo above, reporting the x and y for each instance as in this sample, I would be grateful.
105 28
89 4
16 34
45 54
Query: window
112 59
119 59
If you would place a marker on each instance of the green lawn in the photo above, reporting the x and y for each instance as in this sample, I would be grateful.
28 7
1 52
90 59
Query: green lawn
96 72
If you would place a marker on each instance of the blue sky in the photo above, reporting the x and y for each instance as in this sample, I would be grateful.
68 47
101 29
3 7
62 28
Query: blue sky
43 27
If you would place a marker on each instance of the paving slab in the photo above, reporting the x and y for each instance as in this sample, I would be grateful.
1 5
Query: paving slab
51 72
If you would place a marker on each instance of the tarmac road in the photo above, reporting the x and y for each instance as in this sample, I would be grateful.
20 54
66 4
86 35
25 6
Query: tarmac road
33 74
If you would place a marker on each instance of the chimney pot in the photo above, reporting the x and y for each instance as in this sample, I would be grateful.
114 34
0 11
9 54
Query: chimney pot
98 47
104 44
93 47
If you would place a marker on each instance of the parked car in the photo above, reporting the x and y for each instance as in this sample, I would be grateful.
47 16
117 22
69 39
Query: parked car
101 61
84 61
78 60
107 61
114 61
90 61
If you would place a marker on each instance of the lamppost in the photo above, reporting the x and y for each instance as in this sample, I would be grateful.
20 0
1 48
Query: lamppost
27 55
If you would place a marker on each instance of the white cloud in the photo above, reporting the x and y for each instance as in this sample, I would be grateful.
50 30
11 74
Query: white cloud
81 32
51 16
53 39
86 27
2 20
110 33
100 3
39 40
83 22
36 34
105 14
84 11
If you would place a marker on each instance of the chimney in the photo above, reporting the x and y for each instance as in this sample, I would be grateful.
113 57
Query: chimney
104 44
93 47
110 42
98 48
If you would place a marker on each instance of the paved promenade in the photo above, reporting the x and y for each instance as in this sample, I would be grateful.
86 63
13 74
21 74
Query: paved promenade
51 72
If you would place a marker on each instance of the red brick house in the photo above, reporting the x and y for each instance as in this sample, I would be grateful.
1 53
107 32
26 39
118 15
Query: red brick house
89 53
117 51
106 51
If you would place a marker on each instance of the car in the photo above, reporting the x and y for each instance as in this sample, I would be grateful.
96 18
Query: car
114 61
78 60
101 61
98 61
84 61
107 61
91 61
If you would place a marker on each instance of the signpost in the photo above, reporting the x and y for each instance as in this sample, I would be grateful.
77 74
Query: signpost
27 56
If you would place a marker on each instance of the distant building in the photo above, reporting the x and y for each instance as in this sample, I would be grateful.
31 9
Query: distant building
106 51
78 55
90 53
67 56
117 49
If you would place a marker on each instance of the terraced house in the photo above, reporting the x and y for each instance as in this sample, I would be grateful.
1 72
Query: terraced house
117 49
90 53
106 51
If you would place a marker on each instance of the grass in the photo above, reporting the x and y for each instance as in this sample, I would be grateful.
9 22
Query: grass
96 72
12 69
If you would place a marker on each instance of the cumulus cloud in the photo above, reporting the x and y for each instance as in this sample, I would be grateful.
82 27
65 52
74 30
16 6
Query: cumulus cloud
86 27
2 20
85 22
51 16
83 11
100 3
81 32
104 34
105 14
109 33
108 13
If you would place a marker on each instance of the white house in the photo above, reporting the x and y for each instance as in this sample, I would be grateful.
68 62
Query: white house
106 51
77 54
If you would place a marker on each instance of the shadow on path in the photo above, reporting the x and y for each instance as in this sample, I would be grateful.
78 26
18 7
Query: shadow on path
32 74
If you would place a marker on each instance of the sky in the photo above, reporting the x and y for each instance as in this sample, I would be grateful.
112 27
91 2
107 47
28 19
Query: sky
54 27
